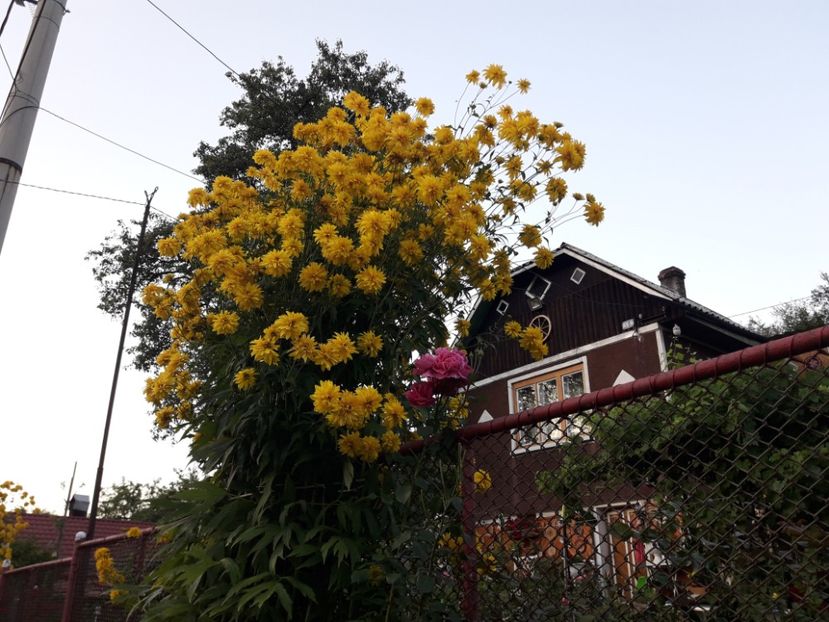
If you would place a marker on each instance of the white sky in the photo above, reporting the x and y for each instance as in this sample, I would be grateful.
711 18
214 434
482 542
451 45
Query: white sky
706 125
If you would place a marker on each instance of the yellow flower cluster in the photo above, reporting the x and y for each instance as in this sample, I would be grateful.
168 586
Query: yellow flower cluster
368 203
108 574
14 503
450 542
357 411
530 338
134 532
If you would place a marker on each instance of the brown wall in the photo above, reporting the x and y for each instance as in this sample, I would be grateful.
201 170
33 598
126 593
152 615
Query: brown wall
580 314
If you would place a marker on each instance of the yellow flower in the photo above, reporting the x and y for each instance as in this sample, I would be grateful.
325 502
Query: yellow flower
570 155
115 595
290 325
462 327
168 247
350 445
134 532
224 322
530 236
523 85
245 378
376 574
424 106
495 75
276 263
483 480
357 103
340 347
394 414
390 442
313 277
593 211
369 343
304 348
370 280
339 286
532 340
556 190
369 449
326 397
410 252
543 257
473 76
512 329
264 351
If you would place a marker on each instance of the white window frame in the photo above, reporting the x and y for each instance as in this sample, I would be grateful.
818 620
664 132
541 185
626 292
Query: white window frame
515 448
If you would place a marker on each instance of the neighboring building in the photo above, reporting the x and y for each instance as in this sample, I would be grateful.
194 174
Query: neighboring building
56 534
603 326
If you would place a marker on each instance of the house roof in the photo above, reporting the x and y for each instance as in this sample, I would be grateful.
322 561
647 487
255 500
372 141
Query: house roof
637 281
44 530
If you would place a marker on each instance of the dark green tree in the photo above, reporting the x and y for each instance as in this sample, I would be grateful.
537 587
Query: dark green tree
794 317
273 100
151 502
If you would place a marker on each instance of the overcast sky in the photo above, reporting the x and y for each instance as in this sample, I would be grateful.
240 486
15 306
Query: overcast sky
706 125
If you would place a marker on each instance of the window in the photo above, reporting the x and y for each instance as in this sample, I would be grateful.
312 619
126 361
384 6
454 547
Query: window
546 388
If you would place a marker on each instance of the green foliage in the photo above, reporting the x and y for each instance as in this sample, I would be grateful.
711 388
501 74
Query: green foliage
735 472
151 502
798 316
27 552
272 102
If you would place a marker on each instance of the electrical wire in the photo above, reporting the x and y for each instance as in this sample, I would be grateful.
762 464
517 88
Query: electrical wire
184 30
771 306
6 60
6 18
117 144
88 195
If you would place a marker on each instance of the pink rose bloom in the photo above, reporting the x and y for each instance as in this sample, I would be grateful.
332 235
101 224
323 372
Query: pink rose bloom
447 368
423 365
449 364
421 394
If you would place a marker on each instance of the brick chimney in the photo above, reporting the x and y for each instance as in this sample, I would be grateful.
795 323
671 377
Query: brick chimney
673 278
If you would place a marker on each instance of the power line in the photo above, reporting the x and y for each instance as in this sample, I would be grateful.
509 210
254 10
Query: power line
117 144
184 30
770 306
88 195
6 60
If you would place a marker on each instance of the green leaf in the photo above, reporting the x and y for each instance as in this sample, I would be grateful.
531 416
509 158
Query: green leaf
348 474
403 492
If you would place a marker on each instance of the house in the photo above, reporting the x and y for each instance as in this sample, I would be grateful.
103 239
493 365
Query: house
603 326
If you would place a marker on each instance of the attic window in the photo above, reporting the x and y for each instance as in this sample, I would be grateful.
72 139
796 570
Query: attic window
577 276
502 307
538 287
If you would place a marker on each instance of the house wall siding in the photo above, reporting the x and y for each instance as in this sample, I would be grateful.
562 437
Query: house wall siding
579 314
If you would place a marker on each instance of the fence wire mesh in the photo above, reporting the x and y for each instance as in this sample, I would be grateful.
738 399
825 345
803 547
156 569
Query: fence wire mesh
108 571
34 593
708 501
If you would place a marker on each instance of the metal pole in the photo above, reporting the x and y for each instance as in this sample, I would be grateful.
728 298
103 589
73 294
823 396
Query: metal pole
23 101
139 251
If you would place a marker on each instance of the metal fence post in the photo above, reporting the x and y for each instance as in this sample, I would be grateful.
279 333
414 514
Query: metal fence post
71 587
470 601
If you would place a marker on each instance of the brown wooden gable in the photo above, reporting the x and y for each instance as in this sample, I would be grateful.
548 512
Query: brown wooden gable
580 314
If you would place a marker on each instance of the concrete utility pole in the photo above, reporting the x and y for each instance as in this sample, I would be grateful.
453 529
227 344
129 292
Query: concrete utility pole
20 111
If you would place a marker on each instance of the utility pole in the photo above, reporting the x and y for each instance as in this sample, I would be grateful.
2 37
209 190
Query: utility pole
136 266
20 111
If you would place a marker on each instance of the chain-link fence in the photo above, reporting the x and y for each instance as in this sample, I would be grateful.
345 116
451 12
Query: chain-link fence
95 584
696 494
35 592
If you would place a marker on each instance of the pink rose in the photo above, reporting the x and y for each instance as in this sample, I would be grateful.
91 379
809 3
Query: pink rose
450 364
423 365
447 368
421 394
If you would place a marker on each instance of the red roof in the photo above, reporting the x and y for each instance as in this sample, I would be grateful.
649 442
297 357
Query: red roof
44 529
